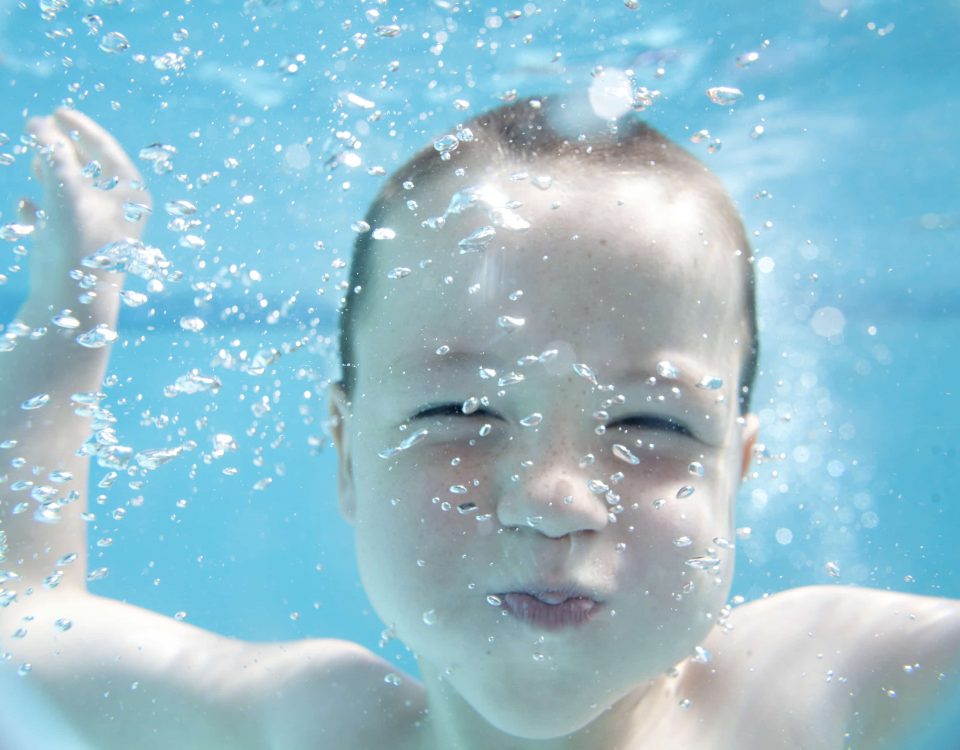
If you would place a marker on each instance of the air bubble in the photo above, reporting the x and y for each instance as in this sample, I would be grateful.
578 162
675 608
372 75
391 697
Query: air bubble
465 508
430 617
399 273
36 402
542 181
192 382
510 323
477 240
833 569
511 378
406 444
133 211
114 42
445 144
700 562
180 208
15 232
597 487
696 468
192 242
624 454
668 370
384 233
724 95
710 383
93 23
97 338
192 323
532 420
470 405
682 541
154 458
585 372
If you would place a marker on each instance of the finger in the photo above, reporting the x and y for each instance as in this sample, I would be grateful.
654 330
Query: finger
98 144
59 164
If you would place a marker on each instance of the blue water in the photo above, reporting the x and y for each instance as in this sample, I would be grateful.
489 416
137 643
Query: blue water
857 227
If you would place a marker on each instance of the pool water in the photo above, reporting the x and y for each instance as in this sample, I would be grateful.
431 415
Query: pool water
841 154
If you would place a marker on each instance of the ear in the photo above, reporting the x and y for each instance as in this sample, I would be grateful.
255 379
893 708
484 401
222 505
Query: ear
748 438
340 414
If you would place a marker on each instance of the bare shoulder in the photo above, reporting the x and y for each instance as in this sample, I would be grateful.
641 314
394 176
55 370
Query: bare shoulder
869 664
336 694
121 676
864 628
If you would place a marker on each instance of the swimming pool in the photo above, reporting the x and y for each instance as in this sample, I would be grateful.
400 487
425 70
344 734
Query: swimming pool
283 116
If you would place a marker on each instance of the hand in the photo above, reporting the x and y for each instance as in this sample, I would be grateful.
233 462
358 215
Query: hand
78 215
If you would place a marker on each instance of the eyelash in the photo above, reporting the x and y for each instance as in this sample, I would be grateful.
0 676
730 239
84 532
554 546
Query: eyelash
665 424
452 410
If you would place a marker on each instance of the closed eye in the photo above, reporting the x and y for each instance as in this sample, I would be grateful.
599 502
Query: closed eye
651 422
452 410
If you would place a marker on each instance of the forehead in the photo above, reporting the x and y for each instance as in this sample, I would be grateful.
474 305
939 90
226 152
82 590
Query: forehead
622 270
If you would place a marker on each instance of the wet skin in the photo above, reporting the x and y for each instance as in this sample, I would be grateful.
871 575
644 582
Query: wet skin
645 276
648 278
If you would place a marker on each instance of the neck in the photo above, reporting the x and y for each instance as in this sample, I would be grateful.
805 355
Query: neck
451 723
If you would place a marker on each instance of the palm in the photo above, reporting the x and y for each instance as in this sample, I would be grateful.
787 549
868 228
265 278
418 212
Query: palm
79 216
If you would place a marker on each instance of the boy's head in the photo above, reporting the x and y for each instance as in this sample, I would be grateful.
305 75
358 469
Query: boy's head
541 137
543 400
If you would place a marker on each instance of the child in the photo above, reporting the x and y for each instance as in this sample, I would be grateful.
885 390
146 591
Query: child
548 348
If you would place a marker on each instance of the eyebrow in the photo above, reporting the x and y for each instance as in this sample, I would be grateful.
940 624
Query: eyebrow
450 359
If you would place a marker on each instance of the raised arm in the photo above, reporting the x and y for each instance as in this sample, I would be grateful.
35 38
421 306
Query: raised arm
111 673
46 365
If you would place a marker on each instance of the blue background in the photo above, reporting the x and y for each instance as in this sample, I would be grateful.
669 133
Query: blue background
858 157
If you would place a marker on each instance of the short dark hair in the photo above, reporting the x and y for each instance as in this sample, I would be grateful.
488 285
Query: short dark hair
526 131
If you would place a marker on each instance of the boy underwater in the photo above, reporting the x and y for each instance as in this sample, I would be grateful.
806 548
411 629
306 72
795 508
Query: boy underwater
548 346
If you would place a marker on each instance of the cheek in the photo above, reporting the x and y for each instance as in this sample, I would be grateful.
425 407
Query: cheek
410 535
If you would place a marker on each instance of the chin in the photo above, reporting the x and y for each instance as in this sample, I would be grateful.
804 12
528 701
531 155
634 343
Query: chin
549 723
541 710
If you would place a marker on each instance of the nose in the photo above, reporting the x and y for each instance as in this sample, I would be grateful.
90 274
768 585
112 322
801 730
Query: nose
550 494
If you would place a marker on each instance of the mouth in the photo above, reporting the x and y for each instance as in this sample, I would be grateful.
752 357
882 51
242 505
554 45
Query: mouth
551 610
